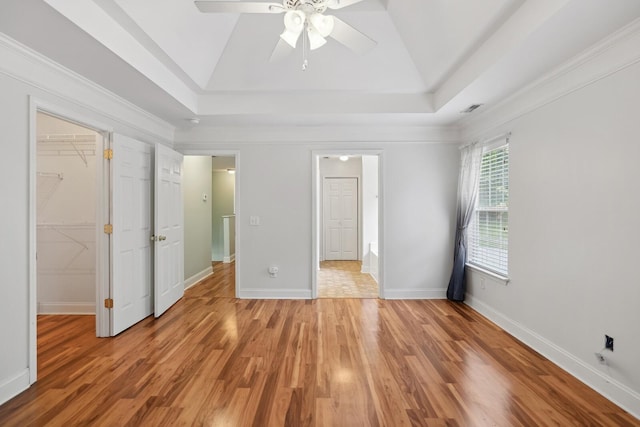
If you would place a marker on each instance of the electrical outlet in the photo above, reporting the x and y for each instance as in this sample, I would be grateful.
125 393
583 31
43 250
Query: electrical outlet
273 271
601 358
608 342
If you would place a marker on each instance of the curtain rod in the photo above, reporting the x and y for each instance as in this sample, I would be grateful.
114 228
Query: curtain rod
505 135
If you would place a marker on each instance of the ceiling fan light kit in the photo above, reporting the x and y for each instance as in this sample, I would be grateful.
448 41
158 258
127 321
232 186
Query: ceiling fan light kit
315 39
323 24
317 26
294 22
301 17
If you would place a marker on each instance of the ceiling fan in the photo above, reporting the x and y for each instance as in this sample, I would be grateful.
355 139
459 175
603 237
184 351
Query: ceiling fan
304 18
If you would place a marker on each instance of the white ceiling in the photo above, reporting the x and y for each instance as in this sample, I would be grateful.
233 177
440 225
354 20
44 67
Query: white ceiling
433 57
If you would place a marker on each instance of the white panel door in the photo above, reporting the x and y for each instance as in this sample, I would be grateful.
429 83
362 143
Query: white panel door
169 229
341 218
131 288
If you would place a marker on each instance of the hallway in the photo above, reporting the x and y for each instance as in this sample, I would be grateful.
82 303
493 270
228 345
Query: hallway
221 284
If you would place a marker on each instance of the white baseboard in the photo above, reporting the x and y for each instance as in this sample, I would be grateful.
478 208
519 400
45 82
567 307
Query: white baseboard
274 294
415 293
610 388
193 280
13 386
66 308
229 259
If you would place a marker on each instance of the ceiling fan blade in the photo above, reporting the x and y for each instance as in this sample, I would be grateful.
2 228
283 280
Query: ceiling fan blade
282 50
215 6
339 4
345 34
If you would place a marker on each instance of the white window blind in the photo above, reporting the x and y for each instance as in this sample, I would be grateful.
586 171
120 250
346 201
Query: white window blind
488 233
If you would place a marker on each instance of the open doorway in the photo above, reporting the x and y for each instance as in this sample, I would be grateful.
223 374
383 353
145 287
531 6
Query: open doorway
67 174
66 203
223 220
346 224
210 226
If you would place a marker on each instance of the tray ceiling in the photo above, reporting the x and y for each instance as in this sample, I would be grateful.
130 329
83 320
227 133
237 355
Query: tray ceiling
433 58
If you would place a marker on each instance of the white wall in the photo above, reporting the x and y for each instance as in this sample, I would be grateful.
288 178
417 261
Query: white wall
573 235
197 218
420 184
275 184
14 228
23 74
370 194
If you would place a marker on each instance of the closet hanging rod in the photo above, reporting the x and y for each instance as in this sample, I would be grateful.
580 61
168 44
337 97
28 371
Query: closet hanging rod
62 137
62 233
60 176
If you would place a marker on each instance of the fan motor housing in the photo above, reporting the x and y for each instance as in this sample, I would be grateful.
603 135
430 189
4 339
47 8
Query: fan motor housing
319 6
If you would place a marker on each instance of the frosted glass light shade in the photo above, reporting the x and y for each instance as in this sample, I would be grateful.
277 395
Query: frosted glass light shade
294 20
323 24
293 24
315 39
290 37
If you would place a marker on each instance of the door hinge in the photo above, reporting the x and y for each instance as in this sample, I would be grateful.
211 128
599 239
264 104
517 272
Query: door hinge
108 154
108 229
108 303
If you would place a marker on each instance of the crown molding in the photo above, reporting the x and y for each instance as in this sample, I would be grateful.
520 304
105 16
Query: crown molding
314 102
36 70
614 53
200 136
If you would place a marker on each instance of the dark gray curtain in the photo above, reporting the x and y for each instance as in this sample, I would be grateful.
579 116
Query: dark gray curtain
471 157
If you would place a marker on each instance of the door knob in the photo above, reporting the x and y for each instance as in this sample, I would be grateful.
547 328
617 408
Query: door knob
153 238
161 238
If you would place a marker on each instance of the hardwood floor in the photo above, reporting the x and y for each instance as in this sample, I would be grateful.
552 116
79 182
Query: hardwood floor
344 279
222 283
218 361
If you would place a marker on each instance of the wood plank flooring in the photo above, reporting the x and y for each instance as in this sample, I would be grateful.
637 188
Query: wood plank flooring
344 279
218 361
221 284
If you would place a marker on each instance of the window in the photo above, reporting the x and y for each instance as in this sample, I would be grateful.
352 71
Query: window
489 229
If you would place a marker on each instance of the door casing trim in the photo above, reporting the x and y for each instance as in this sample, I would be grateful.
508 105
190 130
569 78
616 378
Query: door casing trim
102 240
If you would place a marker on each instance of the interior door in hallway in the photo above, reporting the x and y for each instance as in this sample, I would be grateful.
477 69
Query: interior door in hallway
131 180
169 226
340 218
